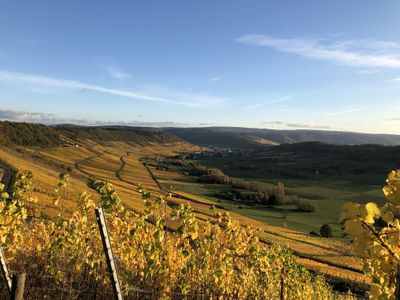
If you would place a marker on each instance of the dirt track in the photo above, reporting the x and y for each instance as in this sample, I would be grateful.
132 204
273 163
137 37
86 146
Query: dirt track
6 178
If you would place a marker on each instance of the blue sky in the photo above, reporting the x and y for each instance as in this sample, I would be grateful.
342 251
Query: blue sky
332 65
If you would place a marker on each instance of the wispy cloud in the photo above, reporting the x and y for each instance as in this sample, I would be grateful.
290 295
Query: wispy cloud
215 78
116 72
176 97
52 119
21 116
394 119
357 53
367 71
346 111
297 125
278 100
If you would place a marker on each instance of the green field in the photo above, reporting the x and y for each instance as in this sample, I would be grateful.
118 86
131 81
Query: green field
329 194
336 183
332 257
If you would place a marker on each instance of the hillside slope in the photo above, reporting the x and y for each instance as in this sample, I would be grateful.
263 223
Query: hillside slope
42 136
115 154
246 138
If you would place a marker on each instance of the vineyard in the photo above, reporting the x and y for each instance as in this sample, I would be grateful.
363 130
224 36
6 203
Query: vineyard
168 243
199 150
165 253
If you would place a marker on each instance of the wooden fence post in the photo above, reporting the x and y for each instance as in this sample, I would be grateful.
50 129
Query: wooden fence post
4 270
282 291
18 286
105 238
397 291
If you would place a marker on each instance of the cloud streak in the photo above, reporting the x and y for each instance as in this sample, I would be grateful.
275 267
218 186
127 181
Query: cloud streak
261 104
215 78
394 119
355 53
52 119
297 125
43 81
117 73
367 72
346 111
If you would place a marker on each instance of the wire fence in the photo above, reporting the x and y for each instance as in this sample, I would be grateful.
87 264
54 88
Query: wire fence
83 285
64 283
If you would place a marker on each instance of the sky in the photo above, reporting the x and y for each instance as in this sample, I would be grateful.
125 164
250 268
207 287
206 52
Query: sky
328 65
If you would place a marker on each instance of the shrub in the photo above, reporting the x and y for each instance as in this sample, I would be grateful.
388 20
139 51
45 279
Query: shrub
305 206
326 231
214 176
276 200
240 184
214 179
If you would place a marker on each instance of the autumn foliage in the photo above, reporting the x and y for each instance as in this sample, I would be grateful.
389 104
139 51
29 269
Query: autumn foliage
166 254
376 237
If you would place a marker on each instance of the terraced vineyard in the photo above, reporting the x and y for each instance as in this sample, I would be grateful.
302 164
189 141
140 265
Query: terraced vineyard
120 164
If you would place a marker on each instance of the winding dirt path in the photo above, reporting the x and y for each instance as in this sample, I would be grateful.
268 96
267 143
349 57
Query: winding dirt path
153 176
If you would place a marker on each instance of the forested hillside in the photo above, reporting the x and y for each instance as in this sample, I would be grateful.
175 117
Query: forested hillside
37 135
251 138
23 134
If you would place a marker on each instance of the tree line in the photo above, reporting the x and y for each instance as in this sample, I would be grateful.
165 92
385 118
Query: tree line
246 192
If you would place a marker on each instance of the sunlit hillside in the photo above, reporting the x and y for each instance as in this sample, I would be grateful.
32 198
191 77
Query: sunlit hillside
123 164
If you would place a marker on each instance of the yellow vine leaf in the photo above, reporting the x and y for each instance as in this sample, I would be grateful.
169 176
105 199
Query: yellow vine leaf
371 212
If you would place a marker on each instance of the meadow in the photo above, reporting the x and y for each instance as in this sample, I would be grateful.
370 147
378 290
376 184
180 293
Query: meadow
328 180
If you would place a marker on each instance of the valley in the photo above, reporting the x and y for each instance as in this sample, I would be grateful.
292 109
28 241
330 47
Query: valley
155 161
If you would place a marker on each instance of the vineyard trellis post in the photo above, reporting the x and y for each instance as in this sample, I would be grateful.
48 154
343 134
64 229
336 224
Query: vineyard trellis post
282 290
18 286
112 268
4 270
397 291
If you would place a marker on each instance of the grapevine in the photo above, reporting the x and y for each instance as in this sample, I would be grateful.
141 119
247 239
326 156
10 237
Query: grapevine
376 238
167 253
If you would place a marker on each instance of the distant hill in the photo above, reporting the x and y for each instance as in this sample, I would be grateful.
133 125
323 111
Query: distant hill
37 135
329 164
140 136
23 134
250 138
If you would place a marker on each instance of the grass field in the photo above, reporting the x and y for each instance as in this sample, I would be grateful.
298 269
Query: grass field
328 209
327 190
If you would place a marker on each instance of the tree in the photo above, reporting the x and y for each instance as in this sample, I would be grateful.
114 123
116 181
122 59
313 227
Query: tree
280 193
280 189
305 205
326 230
